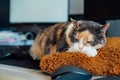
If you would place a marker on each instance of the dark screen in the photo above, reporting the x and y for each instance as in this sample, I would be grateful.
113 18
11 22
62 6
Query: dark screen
101 9
4 13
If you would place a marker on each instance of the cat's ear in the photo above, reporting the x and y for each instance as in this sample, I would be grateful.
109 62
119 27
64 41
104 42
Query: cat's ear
105 27
73 21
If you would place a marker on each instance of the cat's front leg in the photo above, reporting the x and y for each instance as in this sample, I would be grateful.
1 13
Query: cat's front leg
90 51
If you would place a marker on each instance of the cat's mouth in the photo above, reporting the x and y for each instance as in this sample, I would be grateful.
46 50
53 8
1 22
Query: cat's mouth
81 48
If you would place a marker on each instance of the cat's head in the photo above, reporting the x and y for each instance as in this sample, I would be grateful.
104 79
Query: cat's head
86 33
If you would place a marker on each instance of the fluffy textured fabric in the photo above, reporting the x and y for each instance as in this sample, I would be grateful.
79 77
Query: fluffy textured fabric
107 61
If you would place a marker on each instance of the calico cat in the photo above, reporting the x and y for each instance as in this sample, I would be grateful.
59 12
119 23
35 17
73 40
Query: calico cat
75 36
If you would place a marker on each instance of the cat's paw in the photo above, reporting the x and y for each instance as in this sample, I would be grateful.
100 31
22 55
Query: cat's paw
91 52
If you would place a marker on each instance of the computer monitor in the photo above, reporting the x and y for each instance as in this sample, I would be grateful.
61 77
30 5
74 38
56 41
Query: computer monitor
38 11
101 9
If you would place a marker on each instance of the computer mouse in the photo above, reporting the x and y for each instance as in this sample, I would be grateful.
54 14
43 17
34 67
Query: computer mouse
71 73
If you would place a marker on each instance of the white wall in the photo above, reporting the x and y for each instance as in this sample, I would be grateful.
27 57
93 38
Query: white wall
76 7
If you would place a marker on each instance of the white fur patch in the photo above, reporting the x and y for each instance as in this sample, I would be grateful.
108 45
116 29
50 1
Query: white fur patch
69 28
81 43
90 51
74 48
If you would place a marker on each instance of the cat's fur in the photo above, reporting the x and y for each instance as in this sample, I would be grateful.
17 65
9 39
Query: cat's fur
81 36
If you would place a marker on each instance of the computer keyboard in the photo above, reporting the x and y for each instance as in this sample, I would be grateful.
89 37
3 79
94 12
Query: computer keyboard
18 51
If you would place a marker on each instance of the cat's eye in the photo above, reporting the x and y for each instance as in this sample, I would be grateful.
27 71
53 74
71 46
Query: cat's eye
89 41
75 40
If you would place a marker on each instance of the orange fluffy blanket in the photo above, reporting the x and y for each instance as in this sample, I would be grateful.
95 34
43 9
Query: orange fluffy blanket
107 62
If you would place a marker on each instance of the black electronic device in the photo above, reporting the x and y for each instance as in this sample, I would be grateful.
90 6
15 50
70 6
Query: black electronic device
6 51
71 73
16 51
101 9
4 13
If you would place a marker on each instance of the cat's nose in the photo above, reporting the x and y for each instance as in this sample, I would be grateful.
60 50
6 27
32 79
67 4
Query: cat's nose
80 47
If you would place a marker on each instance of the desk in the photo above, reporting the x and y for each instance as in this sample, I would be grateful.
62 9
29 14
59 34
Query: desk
8 72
